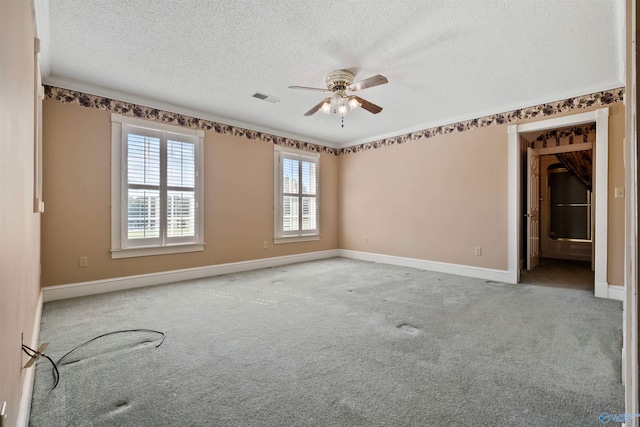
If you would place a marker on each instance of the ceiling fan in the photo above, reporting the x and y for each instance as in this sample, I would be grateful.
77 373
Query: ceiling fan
340 82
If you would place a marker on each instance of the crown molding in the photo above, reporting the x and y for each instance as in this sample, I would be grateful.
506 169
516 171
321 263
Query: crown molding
102 98
178 109
506 108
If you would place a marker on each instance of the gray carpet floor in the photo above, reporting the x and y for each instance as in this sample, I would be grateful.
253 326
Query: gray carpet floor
336 342
560 273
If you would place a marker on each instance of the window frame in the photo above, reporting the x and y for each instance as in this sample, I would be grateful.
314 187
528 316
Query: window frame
281 236
120 247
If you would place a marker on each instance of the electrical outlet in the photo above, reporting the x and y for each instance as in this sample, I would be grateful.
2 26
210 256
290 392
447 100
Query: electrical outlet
84 261
366 240
478 251
265 245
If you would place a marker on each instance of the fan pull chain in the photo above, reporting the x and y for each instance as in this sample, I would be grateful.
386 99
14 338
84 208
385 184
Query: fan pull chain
343 122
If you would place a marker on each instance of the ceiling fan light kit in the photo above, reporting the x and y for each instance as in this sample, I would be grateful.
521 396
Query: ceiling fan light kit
340 104
340 82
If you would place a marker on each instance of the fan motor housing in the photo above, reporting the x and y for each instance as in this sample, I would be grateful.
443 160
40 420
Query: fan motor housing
339 80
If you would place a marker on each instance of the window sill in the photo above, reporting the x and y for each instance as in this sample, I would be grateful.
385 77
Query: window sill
295 239
156 250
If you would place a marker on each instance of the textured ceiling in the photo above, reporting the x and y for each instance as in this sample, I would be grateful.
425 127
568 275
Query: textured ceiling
445 60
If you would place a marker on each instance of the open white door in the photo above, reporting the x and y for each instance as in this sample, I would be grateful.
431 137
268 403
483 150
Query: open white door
533 208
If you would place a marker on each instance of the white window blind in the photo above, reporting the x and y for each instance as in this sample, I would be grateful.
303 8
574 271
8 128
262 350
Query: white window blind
296 195
181 196
143 188
160 195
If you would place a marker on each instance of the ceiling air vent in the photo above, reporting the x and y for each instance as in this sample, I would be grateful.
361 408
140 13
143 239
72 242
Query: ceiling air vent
268 98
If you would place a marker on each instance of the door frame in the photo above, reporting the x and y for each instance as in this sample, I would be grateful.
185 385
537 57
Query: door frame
600 193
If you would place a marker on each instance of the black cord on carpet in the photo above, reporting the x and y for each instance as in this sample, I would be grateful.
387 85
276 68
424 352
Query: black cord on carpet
34 353
56 373
111 333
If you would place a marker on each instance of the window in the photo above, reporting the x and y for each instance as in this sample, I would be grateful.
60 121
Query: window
156 188
296 195
569 206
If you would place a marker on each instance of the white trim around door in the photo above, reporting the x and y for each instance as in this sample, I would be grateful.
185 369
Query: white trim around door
601 174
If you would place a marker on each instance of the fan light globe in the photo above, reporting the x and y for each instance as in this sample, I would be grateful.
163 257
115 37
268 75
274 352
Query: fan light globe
336 100
353 103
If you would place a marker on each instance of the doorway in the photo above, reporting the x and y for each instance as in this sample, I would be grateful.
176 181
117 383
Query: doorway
600 198
558 225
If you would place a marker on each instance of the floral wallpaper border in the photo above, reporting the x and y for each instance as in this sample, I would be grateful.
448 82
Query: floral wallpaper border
599 98
128 109
574 134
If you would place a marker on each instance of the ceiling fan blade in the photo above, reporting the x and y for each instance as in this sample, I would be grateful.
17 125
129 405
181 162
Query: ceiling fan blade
315 108
369 106
309 88
370 82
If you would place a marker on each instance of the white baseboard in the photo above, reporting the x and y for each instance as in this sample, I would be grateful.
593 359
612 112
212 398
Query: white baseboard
53 293
615 292
24 410
440 267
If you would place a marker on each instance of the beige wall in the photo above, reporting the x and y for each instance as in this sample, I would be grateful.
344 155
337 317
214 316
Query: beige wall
615 247
19 226
238 201
435 199
438 199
